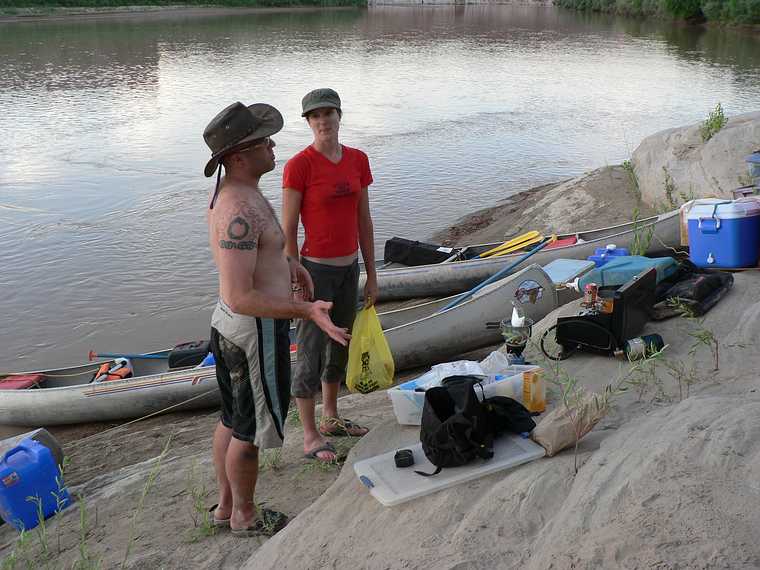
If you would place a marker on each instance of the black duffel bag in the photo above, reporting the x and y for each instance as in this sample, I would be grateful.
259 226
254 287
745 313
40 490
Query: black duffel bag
411 253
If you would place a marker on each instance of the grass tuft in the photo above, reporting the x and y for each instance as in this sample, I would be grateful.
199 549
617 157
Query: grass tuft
714 122
203 520
137 514
270 459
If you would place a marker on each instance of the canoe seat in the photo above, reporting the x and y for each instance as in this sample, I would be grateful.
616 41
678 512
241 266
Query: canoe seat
564 242
21 381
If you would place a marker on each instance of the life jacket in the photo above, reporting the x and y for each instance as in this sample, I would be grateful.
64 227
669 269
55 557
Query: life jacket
118 370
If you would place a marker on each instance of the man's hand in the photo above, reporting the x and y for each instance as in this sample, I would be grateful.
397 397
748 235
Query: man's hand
300 279
319 312
370 290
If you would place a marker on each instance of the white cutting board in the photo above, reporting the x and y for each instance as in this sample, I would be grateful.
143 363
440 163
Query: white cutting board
392 485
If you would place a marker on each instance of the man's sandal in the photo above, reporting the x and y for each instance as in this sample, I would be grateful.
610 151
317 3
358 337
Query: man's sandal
267 524
341 427
218 523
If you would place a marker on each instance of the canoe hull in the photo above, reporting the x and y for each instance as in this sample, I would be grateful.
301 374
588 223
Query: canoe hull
440 336
418 336
114 400
455 277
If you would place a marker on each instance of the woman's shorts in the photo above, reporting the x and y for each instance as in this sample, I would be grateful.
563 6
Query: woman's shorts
321 359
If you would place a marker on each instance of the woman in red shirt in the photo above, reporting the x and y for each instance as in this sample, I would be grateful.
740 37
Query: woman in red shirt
325 185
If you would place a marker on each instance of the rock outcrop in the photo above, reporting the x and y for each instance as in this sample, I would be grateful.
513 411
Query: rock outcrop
675 165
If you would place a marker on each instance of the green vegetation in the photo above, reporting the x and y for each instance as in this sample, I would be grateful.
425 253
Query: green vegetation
734 11
29 553
137 513
670 188
10 7
270 459
713 123
629 170
294 417
642 235
203 519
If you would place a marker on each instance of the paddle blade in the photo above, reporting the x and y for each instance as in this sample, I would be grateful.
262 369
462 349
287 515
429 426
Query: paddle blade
513 244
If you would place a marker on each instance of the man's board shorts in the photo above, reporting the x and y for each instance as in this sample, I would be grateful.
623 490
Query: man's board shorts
321 359
252 357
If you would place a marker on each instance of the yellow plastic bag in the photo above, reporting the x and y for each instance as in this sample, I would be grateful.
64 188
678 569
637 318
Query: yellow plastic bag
370 363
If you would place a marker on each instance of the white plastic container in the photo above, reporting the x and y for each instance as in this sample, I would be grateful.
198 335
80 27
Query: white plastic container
408 403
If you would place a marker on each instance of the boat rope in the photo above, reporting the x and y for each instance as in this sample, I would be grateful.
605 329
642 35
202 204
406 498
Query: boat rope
164 410
667 247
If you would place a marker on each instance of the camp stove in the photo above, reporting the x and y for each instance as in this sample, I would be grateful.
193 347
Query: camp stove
603 324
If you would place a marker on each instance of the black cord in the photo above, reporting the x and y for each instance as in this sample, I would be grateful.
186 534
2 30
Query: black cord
567 354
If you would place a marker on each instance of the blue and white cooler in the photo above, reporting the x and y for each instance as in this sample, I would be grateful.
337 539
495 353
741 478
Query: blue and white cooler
724 233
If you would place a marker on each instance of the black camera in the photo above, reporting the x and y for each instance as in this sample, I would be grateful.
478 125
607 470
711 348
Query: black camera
404 458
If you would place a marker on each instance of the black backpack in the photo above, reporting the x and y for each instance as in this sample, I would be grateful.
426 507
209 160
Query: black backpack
456 427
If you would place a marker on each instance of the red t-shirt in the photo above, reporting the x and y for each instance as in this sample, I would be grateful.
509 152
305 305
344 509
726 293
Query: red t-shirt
330 199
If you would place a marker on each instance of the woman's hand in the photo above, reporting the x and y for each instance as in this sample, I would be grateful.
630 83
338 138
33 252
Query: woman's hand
300 279
370 290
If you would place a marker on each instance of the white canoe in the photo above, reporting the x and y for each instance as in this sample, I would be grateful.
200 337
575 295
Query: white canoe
417 335
422 335
67 397
455 276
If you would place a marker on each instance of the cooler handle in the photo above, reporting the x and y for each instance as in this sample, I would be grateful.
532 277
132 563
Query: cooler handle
16 450
706 227
712 217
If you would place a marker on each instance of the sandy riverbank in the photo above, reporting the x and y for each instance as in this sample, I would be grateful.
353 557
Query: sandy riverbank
110 469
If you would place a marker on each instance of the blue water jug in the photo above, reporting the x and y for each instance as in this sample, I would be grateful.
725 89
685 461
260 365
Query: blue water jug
603 254
30 471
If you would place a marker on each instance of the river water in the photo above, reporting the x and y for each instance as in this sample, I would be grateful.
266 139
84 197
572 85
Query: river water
102 197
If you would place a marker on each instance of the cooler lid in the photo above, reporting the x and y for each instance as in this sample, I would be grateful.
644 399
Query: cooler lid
724 209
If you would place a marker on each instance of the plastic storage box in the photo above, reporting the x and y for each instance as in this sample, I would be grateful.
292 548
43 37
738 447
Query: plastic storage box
29 483
724 233
619 270
407 403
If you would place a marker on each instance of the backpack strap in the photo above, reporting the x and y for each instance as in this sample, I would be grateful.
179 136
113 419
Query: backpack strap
436 472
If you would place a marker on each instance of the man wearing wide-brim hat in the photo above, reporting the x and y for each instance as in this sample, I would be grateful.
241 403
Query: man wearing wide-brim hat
250 325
